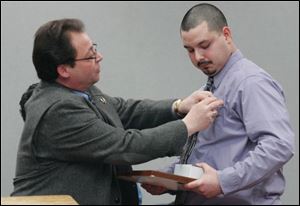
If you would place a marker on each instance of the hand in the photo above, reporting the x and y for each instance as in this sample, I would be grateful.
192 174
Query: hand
187 103
202 115
208 185
154 190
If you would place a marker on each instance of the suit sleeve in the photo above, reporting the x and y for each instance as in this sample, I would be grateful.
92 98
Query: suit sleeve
141 114
71 131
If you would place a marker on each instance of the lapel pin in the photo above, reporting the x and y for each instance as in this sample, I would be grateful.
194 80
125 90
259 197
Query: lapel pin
102 99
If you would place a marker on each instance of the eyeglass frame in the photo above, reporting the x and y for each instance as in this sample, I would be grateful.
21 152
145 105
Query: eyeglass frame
94 50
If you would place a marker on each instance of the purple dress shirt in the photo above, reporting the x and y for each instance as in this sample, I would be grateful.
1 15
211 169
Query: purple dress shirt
250 140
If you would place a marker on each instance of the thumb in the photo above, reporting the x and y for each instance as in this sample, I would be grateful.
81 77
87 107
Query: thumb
204 166
193 184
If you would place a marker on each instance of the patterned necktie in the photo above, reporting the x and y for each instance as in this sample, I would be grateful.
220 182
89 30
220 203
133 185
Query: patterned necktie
209 85
187 150
188 147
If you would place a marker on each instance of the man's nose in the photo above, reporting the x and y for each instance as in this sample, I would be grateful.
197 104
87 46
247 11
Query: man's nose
198 55
99 57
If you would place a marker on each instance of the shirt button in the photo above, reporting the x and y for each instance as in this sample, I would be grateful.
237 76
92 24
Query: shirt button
117 200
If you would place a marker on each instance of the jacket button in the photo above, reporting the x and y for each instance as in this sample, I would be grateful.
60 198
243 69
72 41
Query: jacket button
117 200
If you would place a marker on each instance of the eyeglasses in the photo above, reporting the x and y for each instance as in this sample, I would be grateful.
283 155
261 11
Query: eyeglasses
94 50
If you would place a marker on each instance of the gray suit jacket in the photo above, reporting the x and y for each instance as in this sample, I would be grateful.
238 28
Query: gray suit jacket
74 146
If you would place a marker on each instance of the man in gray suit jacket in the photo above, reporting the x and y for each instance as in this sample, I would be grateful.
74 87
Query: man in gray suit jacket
76 139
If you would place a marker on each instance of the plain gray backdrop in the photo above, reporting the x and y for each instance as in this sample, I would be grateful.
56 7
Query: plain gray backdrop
144 58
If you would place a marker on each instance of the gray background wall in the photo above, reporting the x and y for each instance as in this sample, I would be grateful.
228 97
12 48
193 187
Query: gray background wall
144 58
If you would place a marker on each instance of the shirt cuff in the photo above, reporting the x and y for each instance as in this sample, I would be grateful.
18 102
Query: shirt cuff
229 180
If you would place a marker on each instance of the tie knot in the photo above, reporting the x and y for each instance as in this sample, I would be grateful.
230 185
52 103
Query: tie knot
209 84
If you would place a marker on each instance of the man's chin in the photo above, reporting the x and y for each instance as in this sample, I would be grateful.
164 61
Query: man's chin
96 80
207 72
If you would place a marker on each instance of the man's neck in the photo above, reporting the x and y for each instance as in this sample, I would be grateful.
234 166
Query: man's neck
72 85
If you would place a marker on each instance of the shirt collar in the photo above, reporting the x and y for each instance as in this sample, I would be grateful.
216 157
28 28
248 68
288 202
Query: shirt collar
235 57
82 94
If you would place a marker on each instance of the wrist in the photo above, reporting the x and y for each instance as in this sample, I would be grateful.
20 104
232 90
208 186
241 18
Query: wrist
176 106
189 128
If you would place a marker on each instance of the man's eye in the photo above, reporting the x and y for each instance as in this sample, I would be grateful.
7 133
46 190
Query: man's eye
205 46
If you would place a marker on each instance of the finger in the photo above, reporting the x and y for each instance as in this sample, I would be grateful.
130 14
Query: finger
216 104
211 119
158 190
198 164
146 187
214 114
193 184
208 100
161 190
205 93
204 166
200 95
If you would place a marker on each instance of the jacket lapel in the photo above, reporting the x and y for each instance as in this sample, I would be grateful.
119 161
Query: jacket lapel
105 109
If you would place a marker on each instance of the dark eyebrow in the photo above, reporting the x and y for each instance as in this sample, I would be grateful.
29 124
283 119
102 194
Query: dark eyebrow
203 42
199 44
90 49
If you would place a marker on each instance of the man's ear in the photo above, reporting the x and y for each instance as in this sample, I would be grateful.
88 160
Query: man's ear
63 71
227 32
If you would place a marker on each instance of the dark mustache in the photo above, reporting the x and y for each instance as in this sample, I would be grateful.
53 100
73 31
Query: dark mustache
203 63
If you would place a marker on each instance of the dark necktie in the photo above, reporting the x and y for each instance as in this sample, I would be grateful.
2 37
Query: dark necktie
209 85
187 150
188 147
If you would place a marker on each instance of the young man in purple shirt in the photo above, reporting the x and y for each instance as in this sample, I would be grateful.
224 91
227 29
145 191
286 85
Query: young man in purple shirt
243 152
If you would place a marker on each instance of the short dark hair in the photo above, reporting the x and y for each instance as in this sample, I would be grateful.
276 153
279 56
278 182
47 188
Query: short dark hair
204 12
52 47
25 97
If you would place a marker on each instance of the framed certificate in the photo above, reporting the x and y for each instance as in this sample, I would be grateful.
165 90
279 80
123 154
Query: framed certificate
152 177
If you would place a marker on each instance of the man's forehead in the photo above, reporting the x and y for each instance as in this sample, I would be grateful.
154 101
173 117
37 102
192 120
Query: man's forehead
80 39
196 34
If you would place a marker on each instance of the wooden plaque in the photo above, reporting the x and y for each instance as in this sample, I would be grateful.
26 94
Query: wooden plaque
152 177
